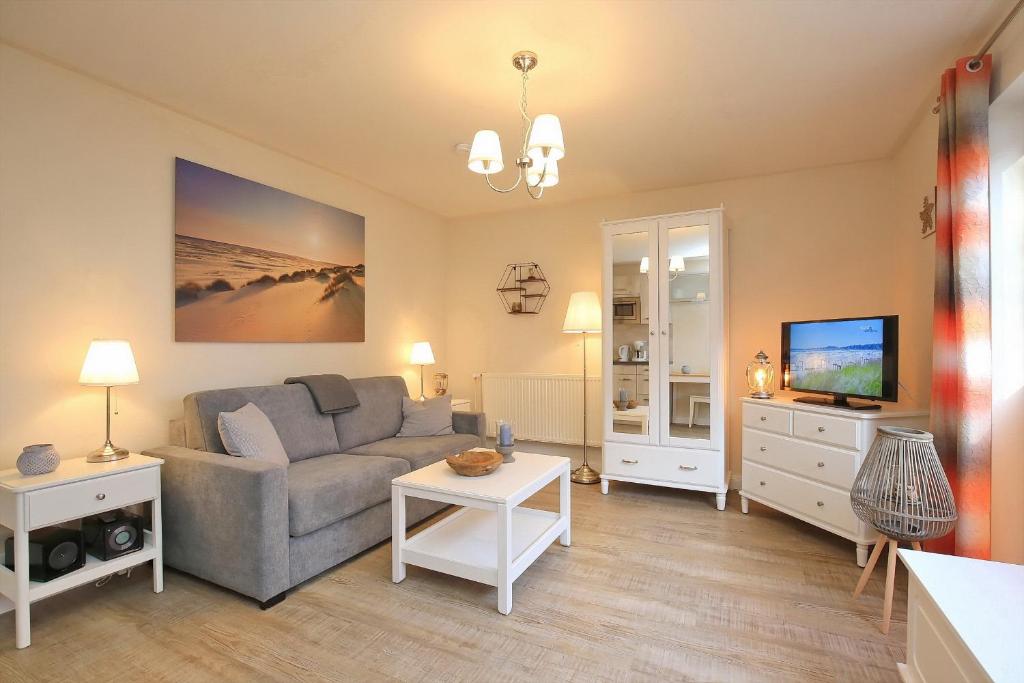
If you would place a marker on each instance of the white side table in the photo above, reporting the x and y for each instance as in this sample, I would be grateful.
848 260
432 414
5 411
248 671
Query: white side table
74 490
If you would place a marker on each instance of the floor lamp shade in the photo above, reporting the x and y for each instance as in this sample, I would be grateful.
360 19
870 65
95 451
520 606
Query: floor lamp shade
583 314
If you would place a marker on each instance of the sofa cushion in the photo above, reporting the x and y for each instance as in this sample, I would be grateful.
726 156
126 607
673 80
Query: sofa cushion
324 490
303 431
432 417
378 415
420 451
247 433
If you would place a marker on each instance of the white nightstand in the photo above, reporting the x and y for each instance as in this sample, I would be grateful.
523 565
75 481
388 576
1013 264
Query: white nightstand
74 490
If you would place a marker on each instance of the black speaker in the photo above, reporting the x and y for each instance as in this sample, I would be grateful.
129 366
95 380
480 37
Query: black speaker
52 552
112 534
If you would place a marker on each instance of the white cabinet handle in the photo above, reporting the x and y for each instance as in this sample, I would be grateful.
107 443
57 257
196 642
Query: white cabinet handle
629 462
652 333
821 429
764 418
821 504
100 496
821 464
764 448
688 468
664 333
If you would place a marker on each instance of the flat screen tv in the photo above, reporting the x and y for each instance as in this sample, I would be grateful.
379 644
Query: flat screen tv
844 358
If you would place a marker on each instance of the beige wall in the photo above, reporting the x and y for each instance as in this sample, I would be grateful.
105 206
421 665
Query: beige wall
86 250
804 245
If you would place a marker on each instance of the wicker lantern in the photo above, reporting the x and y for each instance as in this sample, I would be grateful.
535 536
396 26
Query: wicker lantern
761 376
901 491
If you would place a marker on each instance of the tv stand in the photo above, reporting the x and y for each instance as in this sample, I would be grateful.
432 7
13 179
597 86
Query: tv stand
837 401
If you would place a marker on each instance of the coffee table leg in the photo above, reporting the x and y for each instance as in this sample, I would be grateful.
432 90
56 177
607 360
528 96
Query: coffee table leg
397 533
504 559
564 487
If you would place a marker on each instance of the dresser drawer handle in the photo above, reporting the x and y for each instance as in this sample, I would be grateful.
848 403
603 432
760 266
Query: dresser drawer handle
764 418
101 496
763 483
688 468
764 448
821 504
629 462
821 429
821 464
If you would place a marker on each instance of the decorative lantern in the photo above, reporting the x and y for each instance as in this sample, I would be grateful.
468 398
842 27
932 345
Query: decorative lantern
440 383
760 376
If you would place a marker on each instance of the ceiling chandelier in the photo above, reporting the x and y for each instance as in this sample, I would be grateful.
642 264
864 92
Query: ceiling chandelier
542 144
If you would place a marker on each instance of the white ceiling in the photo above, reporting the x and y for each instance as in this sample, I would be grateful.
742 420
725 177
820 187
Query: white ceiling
650 94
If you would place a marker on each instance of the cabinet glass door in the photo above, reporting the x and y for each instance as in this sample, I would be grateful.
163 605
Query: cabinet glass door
628 335
686 298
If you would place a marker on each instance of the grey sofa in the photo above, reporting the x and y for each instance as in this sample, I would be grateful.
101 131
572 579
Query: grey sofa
260 528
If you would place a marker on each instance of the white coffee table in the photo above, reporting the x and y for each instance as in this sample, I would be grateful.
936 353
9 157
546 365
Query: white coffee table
491 540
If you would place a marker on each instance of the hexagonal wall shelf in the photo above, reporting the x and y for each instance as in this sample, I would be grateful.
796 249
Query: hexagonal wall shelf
523 288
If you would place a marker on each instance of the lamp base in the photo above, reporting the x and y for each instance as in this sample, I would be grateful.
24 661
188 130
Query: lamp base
585 474
108 453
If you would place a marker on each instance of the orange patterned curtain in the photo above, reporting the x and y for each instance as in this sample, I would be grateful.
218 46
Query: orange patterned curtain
961 401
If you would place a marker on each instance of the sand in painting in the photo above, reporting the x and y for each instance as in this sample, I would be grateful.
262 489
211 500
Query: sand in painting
239 275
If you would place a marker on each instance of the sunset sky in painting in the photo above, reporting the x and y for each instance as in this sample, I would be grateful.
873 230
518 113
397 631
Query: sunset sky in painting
214 205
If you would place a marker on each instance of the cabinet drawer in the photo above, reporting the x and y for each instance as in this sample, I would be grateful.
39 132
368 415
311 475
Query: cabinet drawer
72 501
643 370
810 460
702 468
771 419
826 429
811 499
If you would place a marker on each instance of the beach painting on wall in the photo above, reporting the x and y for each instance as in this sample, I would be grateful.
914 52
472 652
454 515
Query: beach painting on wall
257 264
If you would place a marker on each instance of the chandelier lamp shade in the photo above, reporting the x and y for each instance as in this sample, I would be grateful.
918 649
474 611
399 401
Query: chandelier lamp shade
542 146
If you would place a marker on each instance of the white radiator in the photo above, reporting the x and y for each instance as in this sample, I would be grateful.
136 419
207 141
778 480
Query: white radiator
543 407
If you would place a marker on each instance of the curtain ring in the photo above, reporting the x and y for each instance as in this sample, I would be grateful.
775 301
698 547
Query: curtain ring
974 65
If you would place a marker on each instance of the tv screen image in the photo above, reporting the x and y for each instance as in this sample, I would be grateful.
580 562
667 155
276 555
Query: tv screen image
837 356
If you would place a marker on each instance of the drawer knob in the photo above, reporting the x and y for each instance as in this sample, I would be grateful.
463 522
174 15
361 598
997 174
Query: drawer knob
688 468
764 448
764 418
101 496
821 429
762 483
629 462
821 504
821 464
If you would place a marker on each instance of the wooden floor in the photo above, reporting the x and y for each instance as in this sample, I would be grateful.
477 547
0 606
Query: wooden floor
657 586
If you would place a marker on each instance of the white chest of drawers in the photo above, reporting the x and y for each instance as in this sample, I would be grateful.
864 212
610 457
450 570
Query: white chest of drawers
801 459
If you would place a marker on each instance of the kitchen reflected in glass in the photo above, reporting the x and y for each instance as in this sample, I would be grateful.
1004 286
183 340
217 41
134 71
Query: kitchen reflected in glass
630 316
689 332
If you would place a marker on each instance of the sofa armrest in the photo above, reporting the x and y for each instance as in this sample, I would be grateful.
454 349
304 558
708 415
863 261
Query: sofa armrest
470 423
225 519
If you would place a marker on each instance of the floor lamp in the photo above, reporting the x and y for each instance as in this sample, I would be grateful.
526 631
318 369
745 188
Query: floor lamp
584 317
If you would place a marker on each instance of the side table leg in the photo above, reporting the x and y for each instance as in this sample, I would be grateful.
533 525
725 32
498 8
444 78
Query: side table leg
22 634
564 488
397 533
504 559
744 505
158 543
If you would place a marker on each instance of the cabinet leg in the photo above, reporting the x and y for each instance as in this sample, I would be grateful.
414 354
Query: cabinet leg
862 554
604 486
744 505
720 501
22 635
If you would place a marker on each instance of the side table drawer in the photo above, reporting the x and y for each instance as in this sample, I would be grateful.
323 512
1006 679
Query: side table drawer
73 501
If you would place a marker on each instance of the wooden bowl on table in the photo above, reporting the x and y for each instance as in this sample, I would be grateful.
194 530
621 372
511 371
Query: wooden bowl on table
474 463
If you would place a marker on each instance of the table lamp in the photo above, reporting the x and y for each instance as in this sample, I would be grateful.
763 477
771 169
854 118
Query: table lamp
421 355
108 363
583 317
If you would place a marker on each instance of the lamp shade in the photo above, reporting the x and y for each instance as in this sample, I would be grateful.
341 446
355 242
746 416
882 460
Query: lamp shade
645 265
485 154
108 363
548 170
421 354
583 314
676 264
546 138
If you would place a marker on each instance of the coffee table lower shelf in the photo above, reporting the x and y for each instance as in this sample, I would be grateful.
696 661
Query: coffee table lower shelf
464 544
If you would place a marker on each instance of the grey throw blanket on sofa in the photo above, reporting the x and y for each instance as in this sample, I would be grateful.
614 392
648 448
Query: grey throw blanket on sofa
331 393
